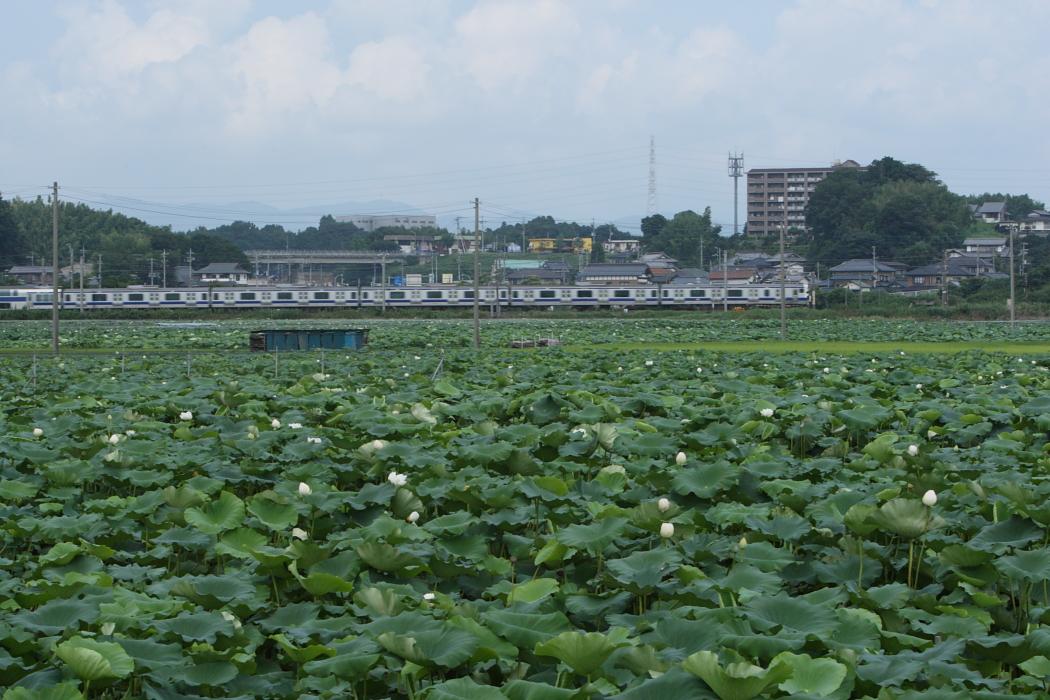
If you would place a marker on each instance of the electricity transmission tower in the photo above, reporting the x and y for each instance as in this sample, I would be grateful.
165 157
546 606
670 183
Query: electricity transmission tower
736 170
650 206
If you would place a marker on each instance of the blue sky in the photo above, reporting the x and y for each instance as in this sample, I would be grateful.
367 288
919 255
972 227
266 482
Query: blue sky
534 107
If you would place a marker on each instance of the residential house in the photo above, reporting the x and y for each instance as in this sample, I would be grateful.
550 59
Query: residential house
689 276
411 243
734 274
1037 222
605 273
985 246
622 246
991 212
221 273
950 271
31 274
659 259
864 272
550 272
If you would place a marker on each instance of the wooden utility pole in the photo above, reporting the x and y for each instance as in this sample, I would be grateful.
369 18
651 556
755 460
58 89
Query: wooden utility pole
944 279
725 281
477 274
1013 299
54 268
783 286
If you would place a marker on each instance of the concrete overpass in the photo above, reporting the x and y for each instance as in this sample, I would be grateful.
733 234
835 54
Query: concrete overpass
299 265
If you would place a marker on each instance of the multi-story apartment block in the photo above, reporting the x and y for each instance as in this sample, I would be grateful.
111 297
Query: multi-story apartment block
778 196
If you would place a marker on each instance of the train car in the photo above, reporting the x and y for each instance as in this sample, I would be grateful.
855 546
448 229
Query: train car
436 296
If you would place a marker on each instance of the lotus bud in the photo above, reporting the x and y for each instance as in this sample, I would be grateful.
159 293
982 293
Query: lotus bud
648 363
413 516
666 530
919 387
275 424
428 596
299 534
397 479
108 628
114 439
186 415
680 458
664 504
913 450
295 426
304 489
378 444
313 440
931 434
742 543
231 618
129 433
766 412
929 499
38 432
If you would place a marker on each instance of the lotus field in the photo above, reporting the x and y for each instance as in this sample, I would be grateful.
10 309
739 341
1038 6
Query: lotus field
526 525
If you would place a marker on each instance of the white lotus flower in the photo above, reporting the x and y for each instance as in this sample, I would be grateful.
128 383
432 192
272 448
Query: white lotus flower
108 628
397 479
313 439
378 444
186 415
114 439
913 450
231 618
428 596
666 530
648 363
129 433
929 499
38 432
304 489
680 458
299 534
699 370
275 424
930 434
827 370
580 431
413 516
295 426
664 505
767 412
919 387
742 543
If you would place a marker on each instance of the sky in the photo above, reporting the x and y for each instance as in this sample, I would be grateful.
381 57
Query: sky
200 112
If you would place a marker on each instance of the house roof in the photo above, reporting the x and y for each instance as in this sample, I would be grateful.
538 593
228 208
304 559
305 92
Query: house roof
28 270
614 270
738 274
984 241
1039 214
539 273
221 269
952 269
992 208
865 265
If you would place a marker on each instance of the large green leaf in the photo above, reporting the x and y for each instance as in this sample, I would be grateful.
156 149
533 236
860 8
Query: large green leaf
92 660
217 516
583 652
526 629
62 691
735 681
464 689
906 517
273 511
819 677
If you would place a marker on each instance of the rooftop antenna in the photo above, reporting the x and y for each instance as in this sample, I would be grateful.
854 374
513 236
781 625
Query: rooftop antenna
651 203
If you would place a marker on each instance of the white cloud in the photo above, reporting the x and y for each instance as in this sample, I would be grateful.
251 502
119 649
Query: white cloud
393 69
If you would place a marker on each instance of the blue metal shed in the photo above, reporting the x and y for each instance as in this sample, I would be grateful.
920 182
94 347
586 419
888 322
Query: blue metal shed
297 339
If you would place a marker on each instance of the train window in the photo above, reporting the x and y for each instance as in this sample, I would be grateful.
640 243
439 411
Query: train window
765 292
622 294
353 295
652 294
135 296
584 294
434 295
697 293
171 296
322 295
284 296
68 297
547 294
247 296
98 297
466 295
395 295
736 292
366 295
516 295
666 294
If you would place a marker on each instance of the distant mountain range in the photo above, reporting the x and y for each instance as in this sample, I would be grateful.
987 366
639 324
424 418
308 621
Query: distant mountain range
189 216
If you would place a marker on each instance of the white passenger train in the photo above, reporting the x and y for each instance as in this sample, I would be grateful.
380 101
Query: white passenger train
714 296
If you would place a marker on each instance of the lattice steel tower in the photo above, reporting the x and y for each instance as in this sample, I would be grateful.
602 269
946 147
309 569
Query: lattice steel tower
651 203
736 170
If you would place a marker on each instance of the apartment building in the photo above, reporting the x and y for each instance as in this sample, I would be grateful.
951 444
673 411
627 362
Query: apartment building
776 196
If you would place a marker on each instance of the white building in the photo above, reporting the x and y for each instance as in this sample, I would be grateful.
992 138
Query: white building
221 273
369 222
986 246
1037 222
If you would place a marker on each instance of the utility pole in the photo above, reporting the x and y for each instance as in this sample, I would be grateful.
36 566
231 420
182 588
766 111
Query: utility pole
98 273
477 276
650 204
153 277
944 279
783 286
164 269
736 170
1013 299
54 268
81 279
725 280
382 282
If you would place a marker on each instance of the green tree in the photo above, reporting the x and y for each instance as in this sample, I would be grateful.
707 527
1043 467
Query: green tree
10 236
681 237
1018 206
